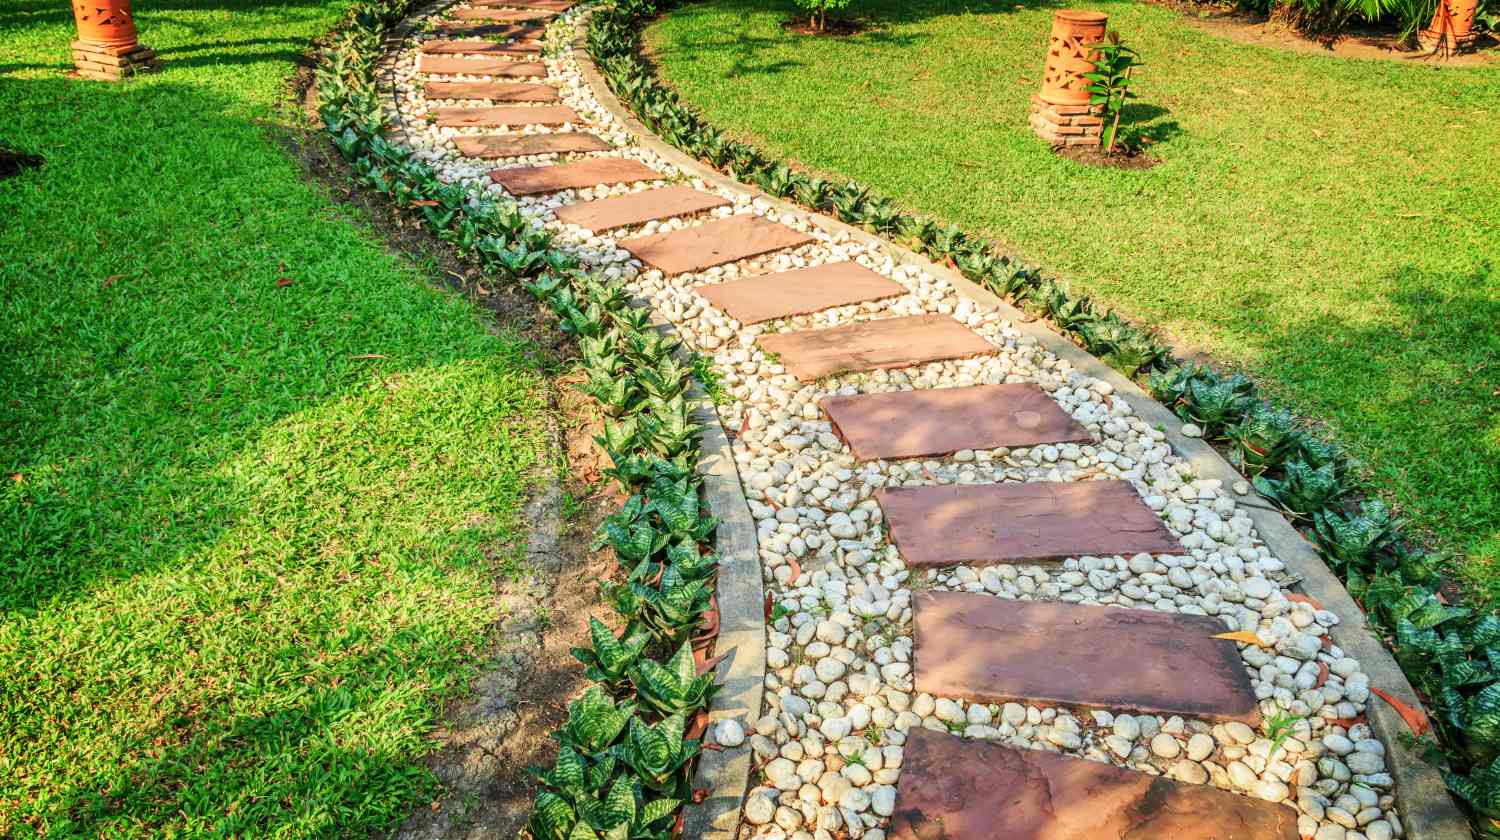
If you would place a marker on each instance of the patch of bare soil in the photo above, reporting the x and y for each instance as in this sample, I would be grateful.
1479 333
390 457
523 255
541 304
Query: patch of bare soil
1356 42
839 28
1095 156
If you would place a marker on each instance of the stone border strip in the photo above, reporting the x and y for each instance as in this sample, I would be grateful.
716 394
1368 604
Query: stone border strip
1427 811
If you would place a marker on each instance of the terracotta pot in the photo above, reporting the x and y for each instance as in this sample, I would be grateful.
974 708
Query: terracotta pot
1452 25
1068 58
106 22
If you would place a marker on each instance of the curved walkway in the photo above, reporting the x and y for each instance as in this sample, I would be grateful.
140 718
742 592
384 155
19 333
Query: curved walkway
983 564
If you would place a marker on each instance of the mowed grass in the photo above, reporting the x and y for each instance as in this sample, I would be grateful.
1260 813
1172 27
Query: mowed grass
1330 225
249 528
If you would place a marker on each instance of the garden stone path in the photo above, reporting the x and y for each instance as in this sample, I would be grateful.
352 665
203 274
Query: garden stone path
953 789
714 243
557 6
1013 523
998 650
913 424
607 214
842 365
871 345
802 291
525 34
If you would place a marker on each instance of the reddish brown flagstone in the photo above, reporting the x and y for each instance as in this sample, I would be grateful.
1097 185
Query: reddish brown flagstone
766 297
476 46
624 210
531 180
506 115
994 650
868 345
548 5
910 424
952 789
503 15
482 66
714 243
1020 522
493 91
498 30
516 145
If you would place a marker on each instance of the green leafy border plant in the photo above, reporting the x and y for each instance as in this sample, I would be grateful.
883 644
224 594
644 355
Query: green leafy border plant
624 762
1451 654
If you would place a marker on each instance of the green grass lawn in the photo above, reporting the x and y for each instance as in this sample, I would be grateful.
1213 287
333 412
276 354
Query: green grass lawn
1331 225
250 529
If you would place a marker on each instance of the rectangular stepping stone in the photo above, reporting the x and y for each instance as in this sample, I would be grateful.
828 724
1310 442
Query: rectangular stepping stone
953 789
868 345
753 300
493 91
715 243
482 66
506 15
940 421
1020 522
532 180
996 650
479 47
526 34
517 145
548 5
620 211
503 115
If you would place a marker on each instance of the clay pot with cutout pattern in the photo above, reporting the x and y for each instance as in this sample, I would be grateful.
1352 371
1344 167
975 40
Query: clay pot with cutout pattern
105 22
1068 56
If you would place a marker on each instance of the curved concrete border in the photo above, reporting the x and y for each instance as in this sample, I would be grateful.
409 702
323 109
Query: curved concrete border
1426 809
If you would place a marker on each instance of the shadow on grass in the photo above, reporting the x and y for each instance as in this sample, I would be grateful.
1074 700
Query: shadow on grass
1430 362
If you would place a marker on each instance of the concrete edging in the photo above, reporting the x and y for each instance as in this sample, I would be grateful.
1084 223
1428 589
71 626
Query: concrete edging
1422 799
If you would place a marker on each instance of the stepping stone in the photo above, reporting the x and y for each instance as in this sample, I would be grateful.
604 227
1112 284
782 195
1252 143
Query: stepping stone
532 180
1020 522
493 91
547 5
955 789
868 345
482 67
715 243
996 650
941 421
517 145
506 15
479 47
502 115
529 34
767 297
620 211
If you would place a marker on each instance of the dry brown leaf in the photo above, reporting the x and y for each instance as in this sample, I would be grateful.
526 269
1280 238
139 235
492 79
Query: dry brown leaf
1305 599
1416 719
1246 637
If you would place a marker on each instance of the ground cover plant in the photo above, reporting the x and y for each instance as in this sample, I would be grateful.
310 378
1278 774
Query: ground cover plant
1326 224
259 478
1449 652
626 752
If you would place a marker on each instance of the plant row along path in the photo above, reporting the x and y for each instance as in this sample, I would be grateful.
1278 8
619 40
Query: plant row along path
945 509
